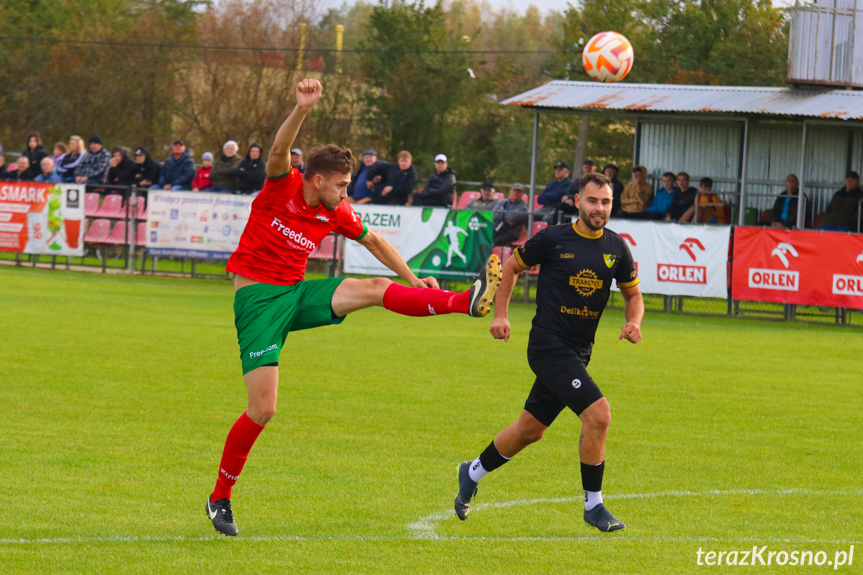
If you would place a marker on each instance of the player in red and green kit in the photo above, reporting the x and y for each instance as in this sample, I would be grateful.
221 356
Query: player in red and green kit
289 218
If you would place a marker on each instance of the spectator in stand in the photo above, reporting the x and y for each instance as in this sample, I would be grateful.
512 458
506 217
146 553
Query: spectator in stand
177 170
252 172
784 212
554 191
2 162
34 152
510 215
60 150
122 168
566 207
399 180
636 195
711 209
224 172
486 200
71 160
841 215
440 186
360 190
202 180
611 171
94 166
660 206
297 160
23 171
683 199
49 174
147 169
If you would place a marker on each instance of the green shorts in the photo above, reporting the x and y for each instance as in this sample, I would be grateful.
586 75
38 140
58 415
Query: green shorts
264 315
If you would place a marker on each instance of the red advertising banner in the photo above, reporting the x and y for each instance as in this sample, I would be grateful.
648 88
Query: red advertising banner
42 218
798 267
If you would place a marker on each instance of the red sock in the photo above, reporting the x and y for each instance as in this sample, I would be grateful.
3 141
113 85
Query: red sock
419 302
240 440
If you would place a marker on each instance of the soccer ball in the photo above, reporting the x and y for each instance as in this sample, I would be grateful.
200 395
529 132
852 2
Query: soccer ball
607 57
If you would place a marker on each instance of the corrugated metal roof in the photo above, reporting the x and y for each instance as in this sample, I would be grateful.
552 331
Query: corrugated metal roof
810 103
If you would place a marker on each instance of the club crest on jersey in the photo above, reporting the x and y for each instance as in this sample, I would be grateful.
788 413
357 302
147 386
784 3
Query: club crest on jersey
322 217
609 260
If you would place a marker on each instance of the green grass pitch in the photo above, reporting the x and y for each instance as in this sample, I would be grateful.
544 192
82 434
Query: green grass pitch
117 394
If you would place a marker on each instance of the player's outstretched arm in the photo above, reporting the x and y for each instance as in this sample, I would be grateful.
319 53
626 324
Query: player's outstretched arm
634 311
500 324
279 161
390 257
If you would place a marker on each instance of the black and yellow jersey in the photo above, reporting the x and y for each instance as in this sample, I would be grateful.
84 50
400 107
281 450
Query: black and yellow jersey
575 277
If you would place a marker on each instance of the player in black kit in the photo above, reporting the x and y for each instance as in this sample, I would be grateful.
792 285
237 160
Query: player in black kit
577 264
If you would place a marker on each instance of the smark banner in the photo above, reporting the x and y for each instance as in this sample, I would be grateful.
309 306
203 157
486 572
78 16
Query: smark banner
199 225
433 241
798 267
42 218
674 259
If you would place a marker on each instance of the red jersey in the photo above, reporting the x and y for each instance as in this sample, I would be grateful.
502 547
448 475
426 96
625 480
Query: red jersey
283 230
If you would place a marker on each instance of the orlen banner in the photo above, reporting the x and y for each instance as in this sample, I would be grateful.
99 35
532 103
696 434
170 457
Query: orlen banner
433 241
798 267
674 259
42 218
200 225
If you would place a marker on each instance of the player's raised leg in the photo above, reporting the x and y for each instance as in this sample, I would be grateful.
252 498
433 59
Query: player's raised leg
262 385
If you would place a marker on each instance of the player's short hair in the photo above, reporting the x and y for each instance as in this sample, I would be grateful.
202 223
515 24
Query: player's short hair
669 175
588 163
327 160
593 178
707 183
405 155
684 174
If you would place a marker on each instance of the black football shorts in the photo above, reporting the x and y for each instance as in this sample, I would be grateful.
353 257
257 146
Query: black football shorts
561 381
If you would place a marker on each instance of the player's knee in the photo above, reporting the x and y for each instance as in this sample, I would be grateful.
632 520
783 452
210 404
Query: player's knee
261 414
379 285
598 417
531 433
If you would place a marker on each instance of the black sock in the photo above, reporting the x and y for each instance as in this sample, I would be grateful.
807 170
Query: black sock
591 476
491 458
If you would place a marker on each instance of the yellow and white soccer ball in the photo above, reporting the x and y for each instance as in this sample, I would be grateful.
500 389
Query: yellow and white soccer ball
607 57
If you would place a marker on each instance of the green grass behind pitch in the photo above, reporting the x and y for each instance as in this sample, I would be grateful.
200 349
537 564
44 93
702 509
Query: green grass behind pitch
117 394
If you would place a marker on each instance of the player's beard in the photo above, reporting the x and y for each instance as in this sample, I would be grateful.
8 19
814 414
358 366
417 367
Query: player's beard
586 218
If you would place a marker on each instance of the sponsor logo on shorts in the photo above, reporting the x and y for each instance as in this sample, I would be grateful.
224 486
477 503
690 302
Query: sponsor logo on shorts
576 383
263 351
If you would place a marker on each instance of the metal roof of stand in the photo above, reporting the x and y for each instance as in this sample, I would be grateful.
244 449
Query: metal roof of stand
562 95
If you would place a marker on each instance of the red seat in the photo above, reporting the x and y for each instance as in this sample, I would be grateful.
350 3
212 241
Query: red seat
499 196
466 198
536 204
141 210
503 252
819 220
118 234
112 207
141 234
326 248
537 227
91 204
98 232
765 216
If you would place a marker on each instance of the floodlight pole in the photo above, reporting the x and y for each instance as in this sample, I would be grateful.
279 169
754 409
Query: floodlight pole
801 203
741 214
530 202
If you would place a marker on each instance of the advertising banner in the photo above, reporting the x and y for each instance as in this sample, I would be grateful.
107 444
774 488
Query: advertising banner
433 241
42 218
674 259
200 225
798 267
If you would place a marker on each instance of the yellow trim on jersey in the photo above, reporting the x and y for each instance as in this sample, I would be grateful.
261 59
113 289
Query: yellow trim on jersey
584 235
519 260
628 284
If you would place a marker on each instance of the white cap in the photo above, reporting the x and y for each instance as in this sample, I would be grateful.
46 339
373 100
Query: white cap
440 158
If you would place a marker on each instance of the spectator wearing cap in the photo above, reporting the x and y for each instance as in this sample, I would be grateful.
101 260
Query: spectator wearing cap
555 189
636 195
49 174
841 215
440 186
34 151
178 169
297 160
611 172
252 172
510 215
398 181
486 200
123 168
224 171
361 188
73 157
147 169
23 171
784 212
94 166
683 198
202 180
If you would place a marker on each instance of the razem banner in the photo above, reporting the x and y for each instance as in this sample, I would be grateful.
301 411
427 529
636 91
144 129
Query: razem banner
674 259
200 225
42 218
798 267
433 241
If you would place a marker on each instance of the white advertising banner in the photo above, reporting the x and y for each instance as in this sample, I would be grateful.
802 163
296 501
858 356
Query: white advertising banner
200 225
674 259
